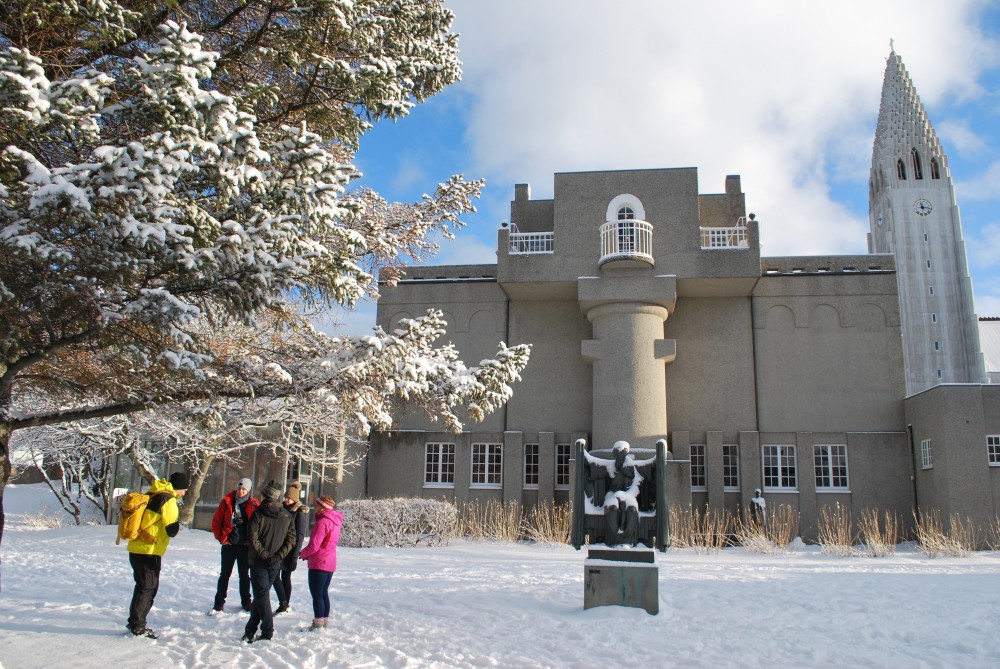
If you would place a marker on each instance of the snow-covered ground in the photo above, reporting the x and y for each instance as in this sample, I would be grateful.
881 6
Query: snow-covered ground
66 593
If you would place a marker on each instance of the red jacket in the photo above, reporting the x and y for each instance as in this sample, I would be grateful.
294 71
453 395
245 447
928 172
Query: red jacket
222 521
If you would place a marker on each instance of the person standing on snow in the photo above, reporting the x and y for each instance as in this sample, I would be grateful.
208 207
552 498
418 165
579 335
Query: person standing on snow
162 519
300 516
272 537
229 525
321 554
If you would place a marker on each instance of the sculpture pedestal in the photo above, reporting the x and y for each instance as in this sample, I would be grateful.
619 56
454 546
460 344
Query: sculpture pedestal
621 578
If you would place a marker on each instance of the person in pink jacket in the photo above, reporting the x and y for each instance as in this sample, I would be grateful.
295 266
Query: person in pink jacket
321 557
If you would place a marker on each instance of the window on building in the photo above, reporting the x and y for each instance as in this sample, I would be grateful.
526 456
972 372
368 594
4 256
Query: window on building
926 238
926 461
731 466
487 465
930 289
928 264
939 374
779 468
439 465
698 481
993 449
937 346
918 172
901 170
830 461
935 172
562 466
933 318
293 469
626 230
531 465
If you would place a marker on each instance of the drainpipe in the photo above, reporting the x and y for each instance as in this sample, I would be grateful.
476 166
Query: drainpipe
913 469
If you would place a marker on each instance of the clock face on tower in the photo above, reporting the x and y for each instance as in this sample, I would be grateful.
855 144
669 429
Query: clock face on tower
922 207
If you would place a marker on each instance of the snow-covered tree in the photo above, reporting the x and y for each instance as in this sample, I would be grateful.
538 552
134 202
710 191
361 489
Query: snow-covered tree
164 165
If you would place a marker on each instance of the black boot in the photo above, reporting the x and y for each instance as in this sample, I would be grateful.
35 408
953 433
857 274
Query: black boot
281 608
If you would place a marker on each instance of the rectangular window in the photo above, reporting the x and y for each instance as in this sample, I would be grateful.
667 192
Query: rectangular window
933 318
698 467
831 466
531 465
731 466
487 465
937 346
926 461
779 468
931 289
993 449
928 264
562 466
925 237
439 465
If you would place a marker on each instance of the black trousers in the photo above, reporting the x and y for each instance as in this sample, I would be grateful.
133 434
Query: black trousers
283 586
146 573
240 557
262 578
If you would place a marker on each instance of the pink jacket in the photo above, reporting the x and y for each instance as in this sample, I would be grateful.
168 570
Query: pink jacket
321 553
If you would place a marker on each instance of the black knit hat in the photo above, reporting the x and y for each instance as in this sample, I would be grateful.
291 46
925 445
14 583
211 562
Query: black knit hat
179 481
271 492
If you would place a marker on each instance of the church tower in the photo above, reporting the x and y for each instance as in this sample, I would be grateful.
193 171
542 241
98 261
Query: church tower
913 215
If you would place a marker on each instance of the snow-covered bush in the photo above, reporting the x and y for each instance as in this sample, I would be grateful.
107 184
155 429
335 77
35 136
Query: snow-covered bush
43 519
397 522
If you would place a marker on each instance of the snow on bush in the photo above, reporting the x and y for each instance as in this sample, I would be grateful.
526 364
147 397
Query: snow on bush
397 522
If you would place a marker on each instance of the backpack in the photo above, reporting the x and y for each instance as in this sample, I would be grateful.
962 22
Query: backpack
131 511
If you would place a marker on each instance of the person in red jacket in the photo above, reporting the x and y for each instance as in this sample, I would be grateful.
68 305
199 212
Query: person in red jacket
229 525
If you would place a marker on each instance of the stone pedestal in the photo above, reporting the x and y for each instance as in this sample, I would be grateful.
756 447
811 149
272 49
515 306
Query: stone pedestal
621 578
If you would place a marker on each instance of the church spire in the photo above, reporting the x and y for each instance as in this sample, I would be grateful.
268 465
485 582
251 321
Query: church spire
903 126
914 215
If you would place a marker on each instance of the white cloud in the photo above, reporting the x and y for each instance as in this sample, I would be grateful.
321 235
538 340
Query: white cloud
985 186
783 93
959 136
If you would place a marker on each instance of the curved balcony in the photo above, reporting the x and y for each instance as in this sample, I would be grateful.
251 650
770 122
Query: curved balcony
629 239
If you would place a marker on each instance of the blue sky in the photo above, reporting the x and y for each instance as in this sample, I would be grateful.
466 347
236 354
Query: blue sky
781 92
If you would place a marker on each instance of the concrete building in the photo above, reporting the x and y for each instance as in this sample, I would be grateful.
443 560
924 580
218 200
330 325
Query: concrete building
837 379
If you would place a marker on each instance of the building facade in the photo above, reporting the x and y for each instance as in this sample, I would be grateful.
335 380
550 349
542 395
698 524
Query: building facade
851 380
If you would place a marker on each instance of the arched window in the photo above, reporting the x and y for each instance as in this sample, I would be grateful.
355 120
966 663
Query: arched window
901 170
918 173
626 231
935 173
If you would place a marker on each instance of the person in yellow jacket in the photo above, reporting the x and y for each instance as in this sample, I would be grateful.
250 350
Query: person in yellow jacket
162 517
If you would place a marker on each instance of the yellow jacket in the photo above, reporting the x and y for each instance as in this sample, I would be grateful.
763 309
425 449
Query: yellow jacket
159 514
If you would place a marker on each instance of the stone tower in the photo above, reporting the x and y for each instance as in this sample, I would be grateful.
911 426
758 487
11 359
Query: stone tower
913 215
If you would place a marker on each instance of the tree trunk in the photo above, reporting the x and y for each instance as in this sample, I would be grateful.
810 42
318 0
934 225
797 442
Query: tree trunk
4 476
194 490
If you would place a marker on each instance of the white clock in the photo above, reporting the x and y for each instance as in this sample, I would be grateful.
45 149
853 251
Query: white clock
922 207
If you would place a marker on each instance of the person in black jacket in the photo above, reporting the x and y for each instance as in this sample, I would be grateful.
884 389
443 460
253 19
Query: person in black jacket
300 516
272 537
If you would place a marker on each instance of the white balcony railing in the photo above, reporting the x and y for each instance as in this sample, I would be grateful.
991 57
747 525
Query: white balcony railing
527 243
726 238
626 240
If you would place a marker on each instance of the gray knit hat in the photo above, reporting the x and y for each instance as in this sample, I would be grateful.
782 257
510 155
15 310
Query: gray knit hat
271 492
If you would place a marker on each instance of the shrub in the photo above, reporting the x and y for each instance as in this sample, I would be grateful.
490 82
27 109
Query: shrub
494 521
548 524
957 541
41 520
834 532
774 536
397 522
706 531
879 536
